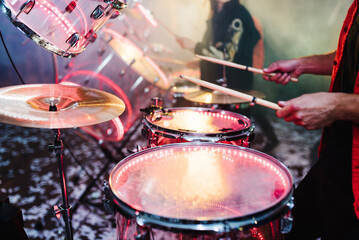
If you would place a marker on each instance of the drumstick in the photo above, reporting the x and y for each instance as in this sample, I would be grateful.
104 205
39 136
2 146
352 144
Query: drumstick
233 93
168 60
239 66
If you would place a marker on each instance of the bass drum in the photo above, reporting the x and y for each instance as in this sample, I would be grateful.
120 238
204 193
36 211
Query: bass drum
201 191
115 65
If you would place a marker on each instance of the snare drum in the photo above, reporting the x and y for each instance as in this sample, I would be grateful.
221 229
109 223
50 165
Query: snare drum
62 27
200 191
174 125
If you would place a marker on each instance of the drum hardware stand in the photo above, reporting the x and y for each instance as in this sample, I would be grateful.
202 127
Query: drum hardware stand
57 147
65 209
223 81
39 225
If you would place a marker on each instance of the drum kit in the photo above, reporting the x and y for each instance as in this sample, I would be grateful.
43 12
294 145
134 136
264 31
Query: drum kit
197 178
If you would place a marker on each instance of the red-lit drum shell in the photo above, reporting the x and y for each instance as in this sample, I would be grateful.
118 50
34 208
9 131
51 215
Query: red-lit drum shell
56 25
185 190
197 124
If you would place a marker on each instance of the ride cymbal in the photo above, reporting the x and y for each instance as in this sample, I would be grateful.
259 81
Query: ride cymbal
73 106
216 97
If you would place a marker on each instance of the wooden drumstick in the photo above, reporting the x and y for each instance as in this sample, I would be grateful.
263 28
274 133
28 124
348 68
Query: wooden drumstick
233 93
239 66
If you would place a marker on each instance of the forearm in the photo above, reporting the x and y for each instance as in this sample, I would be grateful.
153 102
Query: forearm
347 107
317 64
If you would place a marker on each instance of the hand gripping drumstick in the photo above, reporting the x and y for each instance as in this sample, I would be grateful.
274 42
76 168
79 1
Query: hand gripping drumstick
233 93
239 66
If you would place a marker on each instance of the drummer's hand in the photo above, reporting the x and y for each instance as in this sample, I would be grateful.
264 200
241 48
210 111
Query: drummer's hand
193 64
311 111
185 43
284 69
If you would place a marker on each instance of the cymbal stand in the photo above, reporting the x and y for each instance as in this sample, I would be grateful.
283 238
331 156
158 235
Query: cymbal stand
65 209
223 81
57 147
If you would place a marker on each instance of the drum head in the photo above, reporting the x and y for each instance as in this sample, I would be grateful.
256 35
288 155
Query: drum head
200 181
196 121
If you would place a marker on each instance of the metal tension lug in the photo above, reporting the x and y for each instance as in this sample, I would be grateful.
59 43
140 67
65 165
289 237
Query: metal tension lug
107 203
26 8
98 12
116 4
73 39
286 221
91 36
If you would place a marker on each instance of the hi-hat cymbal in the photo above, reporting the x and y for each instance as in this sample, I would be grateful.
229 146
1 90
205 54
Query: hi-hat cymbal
216 97
28 106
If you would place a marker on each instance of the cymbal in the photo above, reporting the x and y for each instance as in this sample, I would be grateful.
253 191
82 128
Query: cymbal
136 59
28 106
216 97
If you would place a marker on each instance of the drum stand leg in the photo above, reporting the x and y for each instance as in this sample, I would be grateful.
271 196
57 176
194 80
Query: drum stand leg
65 209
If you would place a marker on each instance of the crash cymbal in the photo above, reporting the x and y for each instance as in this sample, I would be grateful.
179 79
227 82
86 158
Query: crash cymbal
28 106
216 97
136 59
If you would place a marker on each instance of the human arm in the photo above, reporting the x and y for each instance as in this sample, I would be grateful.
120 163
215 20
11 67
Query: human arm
318 110
285 69
186 43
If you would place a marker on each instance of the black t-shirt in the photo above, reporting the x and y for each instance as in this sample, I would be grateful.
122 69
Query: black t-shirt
220 29
338 148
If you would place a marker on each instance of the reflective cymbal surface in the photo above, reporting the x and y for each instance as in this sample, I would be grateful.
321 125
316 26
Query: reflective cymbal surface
136 59
29 106
216 97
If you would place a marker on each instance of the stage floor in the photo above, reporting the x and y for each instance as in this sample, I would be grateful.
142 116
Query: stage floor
29 173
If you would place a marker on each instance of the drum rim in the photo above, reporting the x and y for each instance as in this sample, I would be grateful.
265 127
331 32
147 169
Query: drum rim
34 36
217 225
197 136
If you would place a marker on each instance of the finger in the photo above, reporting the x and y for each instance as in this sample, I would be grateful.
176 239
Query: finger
277 77
285 112
282 78
287 79
272 68
282 103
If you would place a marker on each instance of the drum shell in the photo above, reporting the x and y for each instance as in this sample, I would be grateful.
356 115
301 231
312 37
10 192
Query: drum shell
270 223
128 229
51 23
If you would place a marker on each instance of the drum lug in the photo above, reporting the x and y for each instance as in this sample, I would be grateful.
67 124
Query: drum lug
157 102
26 8
98 12
115 15
72 5
286 220
116 4
135 149
73 40
142 233
107 203
91 36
